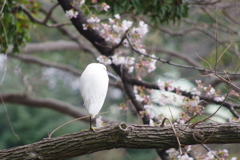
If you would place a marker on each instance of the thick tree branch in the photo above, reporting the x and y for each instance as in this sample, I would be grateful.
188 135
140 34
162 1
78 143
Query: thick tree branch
124 136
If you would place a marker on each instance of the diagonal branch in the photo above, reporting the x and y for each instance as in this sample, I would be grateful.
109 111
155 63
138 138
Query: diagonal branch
175 54
205 71
90 34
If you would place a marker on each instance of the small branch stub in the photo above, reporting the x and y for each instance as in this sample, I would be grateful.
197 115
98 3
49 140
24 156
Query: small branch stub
198 135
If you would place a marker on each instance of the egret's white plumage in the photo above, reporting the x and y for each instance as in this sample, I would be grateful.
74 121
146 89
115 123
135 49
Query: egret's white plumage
93 87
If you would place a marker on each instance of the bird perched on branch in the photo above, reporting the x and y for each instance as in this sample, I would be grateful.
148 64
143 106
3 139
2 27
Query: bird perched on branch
93 87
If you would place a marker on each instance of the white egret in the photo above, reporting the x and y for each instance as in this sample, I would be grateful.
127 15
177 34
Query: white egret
93 87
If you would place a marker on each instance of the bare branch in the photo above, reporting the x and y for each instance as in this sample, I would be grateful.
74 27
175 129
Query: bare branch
42 22
205 71
229 17
49 13
49 46
176 54
50 103
39 61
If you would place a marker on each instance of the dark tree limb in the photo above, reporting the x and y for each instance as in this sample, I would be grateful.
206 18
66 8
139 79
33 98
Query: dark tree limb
91 35
228 105
50 103
124 136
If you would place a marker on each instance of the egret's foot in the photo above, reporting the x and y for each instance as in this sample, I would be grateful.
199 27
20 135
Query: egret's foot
90 129
84 130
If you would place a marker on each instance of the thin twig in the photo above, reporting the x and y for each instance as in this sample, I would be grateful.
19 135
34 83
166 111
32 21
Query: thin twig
49 136
174 130
174 64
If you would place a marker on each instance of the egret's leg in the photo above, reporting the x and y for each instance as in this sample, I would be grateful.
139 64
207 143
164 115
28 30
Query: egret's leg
90 122
91 127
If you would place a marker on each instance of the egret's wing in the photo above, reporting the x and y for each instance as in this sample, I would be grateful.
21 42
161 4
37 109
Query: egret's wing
93 87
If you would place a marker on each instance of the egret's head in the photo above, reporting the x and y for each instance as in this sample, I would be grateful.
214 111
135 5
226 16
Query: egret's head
96 66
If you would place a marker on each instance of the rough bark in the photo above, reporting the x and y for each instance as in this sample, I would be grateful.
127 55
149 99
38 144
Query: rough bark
123 136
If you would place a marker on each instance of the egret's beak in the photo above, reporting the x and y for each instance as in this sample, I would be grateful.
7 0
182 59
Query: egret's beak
112 75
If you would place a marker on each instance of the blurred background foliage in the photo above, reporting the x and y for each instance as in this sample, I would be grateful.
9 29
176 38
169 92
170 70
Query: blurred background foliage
33 124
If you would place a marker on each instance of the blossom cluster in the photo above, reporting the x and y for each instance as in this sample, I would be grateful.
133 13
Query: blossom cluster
209 91
210 155
146 99
117 31
71 14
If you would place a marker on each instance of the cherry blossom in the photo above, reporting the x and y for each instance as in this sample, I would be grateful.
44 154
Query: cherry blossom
104 60
141 30
71 14
161 85
130 69
105 7
93 19
152 64
195 91
184 157
117 16
123 60
219 99
82 2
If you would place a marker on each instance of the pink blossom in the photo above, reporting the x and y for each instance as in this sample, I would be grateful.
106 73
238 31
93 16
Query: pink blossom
199 83
111 21
93 19
184 157
130 69
85 26
71 14
116 59
161 85
209 90
219 98
164 100
141 30
152 64
139 98
135 89
126 24
150 113
82 2
105 7
105 60
117 16
195 91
